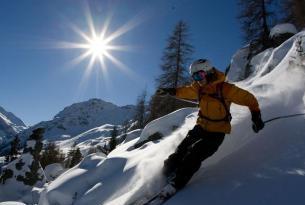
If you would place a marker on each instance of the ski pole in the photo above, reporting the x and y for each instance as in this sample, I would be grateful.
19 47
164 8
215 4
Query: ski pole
189 101
283 116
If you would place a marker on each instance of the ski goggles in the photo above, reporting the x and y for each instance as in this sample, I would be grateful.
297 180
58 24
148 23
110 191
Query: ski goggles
199 76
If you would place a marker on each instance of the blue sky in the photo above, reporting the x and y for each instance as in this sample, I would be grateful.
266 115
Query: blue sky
37 81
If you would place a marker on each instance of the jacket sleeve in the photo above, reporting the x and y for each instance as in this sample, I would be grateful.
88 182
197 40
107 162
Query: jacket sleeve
241 97
188 92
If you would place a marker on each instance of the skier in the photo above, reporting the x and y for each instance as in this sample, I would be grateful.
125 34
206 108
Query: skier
215 97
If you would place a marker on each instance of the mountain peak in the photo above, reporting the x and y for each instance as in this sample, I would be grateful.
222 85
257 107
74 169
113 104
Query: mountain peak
10 125
91 105
83 116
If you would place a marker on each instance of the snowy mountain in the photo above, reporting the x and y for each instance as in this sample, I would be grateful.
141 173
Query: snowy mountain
81 117
10 125
266 168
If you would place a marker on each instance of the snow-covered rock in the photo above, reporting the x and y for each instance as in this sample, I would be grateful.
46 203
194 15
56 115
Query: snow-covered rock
279 35
282 32
283 29
265 168
166 124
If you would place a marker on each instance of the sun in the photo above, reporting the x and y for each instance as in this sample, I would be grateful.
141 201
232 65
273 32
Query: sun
98 47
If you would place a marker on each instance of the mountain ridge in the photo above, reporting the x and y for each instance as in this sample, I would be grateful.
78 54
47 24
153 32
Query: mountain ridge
10 125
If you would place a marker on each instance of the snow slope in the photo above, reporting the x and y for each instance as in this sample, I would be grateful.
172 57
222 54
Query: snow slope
98 136
16 186
264 168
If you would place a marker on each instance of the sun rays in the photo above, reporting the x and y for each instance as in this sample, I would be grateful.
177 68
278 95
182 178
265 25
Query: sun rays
97 47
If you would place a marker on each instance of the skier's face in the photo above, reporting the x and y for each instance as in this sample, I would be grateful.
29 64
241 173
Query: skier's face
200 77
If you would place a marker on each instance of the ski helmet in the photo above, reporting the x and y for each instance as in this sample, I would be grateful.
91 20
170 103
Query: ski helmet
200 64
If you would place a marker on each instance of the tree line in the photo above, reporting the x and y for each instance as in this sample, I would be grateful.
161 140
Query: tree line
50 153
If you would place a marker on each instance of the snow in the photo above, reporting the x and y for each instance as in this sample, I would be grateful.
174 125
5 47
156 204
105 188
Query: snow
166 124
31 144
238 64
282 29
93 137
16 189
11 203
52 171
258 62
132 135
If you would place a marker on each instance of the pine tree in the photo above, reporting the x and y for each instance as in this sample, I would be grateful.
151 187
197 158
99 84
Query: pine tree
255 17
140 115
113 140
33 175
15 146
76 158
7 159
294 12
175 59
174 71
51 154
69 157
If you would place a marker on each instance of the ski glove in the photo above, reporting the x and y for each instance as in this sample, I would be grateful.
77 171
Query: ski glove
257 121
166 91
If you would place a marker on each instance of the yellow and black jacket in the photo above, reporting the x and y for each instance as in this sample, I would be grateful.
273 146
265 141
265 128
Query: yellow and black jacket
212 111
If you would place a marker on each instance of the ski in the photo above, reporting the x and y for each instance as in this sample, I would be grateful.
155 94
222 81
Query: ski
156 199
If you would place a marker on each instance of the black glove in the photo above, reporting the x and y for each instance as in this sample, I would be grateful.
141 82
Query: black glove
257 121
166 91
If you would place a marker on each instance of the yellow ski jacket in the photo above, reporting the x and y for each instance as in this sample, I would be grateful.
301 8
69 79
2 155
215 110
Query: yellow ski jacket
212 110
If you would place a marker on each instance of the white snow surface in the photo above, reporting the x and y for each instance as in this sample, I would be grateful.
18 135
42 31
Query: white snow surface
267 168
52 171
283 28
166 124
132 135
12 203
238 64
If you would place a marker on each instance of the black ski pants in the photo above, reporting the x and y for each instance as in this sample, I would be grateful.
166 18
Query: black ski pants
198 145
